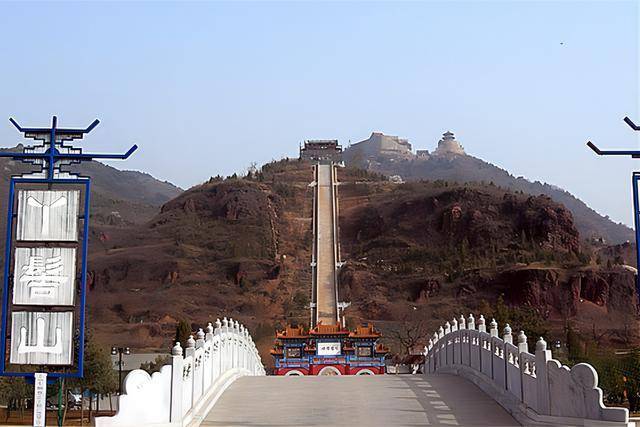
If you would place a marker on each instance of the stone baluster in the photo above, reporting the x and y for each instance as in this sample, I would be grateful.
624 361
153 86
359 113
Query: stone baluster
430 346
440 332
454 325
208 338
232 344
435 337
481 325
249 348
177 367
542 378
471 322
243 354
191 344
218 352
523 347
507 337
236 344
462 323
493 328
447 328
200 338
224 349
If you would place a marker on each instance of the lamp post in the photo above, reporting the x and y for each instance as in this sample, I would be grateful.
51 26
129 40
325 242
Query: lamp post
120 351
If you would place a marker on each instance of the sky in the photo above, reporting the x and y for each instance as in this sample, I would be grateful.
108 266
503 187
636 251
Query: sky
207 88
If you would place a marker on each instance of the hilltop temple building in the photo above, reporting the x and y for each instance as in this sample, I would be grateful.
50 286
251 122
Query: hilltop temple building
379 143
448 146
321 150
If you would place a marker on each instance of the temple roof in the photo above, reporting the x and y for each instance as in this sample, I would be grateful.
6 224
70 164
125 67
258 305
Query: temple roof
292 332
365 331
334 329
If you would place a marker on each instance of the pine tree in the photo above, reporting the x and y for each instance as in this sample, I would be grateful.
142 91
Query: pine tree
183 330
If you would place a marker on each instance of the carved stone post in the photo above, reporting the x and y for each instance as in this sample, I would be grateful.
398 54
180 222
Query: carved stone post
507 336
542 378
471 322
236 347
462 323
493 330
218 348
523 347
481 326
177 366
191 351
224 355
208 338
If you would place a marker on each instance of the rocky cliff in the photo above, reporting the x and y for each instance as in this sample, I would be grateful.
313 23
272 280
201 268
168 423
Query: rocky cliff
241 247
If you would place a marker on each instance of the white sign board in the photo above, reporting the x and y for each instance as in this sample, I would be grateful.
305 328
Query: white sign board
39 399
44 276
331 348
47 215
39 338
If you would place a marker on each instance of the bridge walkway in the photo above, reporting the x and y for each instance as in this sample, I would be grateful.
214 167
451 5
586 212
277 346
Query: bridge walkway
385 400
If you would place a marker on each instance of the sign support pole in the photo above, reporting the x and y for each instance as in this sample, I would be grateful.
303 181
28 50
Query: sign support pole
40 399
60 394
634 154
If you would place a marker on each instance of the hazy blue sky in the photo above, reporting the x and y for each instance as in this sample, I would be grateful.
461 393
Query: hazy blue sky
207 88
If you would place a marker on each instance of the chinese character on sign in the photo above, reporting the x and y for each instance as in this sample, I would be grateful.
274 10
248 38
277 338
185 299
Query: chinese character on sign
44 276
48 215
41 338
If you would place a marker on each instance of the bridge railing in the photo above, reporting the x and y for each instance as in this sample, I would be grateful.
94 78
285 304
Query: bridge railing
185 390
534 388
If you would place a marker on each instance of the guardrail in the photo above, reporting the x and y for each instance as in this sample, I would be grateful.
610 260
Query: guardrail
535 388
183 392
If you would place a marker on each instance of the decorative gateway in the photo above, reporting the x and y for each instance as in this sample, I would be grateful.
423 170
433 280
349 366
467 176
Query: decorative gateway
43 297
329 350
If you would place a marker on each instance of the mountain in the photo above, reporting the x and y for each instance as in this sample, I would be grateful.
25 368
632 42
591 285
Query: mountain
241 247
449 162
117 196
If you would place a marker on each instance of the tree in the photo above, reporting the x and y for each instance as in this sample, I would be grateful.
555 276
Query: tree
14 392
155 365
519 318
407 335
183 331
99 375
574 344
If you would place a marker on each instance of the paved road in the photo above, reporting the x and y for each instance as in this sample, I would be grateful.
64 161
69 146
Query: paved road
326 262
386 400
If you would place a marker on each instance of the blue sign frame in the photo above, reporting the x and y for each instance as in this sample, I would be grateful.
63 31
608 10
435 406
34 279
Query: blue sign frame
635 179
49 161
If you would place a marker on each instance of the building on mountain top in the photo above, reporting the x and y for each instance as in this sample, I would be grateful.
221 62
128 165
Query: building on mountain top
321 150
379 143
448 146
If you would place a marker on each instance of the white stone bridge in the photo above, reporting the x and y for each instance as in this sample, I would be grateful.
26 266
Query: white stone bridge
472 377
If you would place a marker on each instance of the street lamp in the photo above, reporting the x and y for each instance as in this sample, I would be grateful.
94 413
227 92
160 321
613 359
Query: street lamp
120 351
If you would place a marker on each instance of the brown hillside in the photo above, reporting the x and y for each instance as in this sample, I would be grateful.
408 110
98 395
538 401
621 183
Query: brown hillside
241 248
